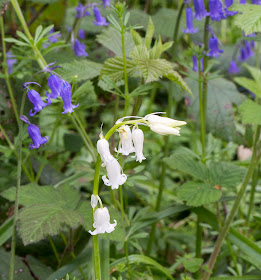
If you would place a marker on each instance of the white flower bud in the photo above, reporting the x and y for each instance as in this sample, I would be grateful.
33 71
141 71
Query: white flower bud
126 146
94 200
116 178
102 222
104 150
138 139
164 130
157 120
244 153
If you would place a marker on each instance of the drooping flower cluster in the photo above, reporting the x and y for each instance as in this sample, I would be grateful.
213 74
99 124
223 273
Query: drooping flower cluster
131 141
59 88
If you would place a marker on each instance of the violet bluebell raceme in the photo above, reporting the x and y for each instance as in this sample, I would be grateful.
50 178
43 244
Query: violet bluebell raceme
216 10
189 21
53 38
100 20
55 84
213 46
200 11
10 62
233 68
81 11
66 97
195 64
35 134
36 99
79 48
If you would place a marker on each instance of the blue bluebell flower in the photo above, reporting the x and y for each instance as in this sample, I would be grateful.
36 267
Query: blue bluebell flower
81 11
248 49
100 20
66 97
229 3
195 64
53 38
81 34
55 84
200 11
10 62
36 99
242 1
256 2
189 20
79 48
243 54
216 10
213 46
233 68
35 134
106 3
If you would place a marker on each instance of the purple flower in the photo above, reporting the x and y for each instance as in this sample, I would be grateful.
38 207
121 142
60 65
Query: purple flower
216 11
248 49
66 97
106 3
100 20
189 20
233 68
81 34
213 46
10 62
35 134
200 11
256 2
242 1
79 48
81 11
195 64
36 99
55 84
229 3
243 54
53 38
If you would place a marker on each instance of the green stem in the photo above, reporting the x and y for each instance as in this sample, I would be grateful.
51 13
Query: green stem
54 249
252 194
127 258
232 214
258 55
198 244
96 257
176 30
234 259
19 169
6 70
201 110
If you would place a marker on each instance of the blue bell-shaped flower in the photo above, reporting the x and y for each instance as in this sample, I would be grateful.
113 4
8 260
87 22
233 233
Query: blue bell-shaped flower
189 20
229 3
216 10
81 11
213 46
256 2
200 11
79 48
100 20
233 68
66 97
106 3
35 134
55 84
243 2
195 64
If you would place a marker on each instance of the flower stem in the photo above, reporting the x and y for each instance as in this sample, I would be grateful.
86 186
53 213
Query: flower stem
19 169
176 30
252 194
201 110
232 214
198 244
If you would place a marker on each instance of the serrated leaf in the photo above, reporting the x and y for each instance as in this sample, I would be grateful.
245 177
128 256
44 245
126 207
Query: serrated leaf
184 161
175 77
85 210
113 68
250 112
136 37
79 70
38 221
149 33
111 39
222 94
83 89
198 194
192 265
248 18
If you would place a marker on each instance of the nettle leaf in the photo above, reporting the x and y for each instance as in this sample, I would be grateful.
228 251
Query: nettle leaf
197 194
113 68
79 70
222 94
193 264
248 18
111 39
136 37
38 221
149 33
250 112
175 77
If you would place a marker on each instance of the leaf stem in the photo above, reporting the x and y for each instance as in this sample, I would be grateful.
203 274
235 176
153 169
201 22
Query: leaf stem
232 214
54 249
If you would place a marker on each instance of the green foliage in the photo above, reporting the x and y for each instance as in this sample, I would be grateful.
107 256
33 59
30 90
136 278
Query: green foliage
248 18
6 230
191 264
250 112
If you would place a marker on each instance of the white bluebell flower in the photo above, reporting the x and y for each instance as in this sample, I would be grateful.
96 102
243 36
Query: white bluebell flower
138 139
126 145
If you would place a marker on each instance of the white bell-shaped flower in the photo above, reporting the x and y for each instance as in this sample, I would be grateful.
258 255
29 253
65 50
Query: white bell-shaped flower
115 176
138 139
126 145
165 130
158 120
102 222
104 150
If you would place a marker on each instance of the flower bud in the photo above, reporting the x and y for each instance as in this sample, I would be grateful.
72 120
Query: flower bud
157 120
164 130
138 139
104 150
94 200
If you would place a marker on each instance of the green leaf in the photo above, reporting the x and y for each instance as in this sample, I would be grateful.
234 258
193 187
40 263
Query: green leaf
85 210
17 42
84 89
45 31
21 35
38 221
250 112
79 70
142 90
248 18
37 34
249 84
136 37
6 230
149 33
246 277
222 94
111 39
197 194
225 174
113 68
141 260
175 77
192 265
184 161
